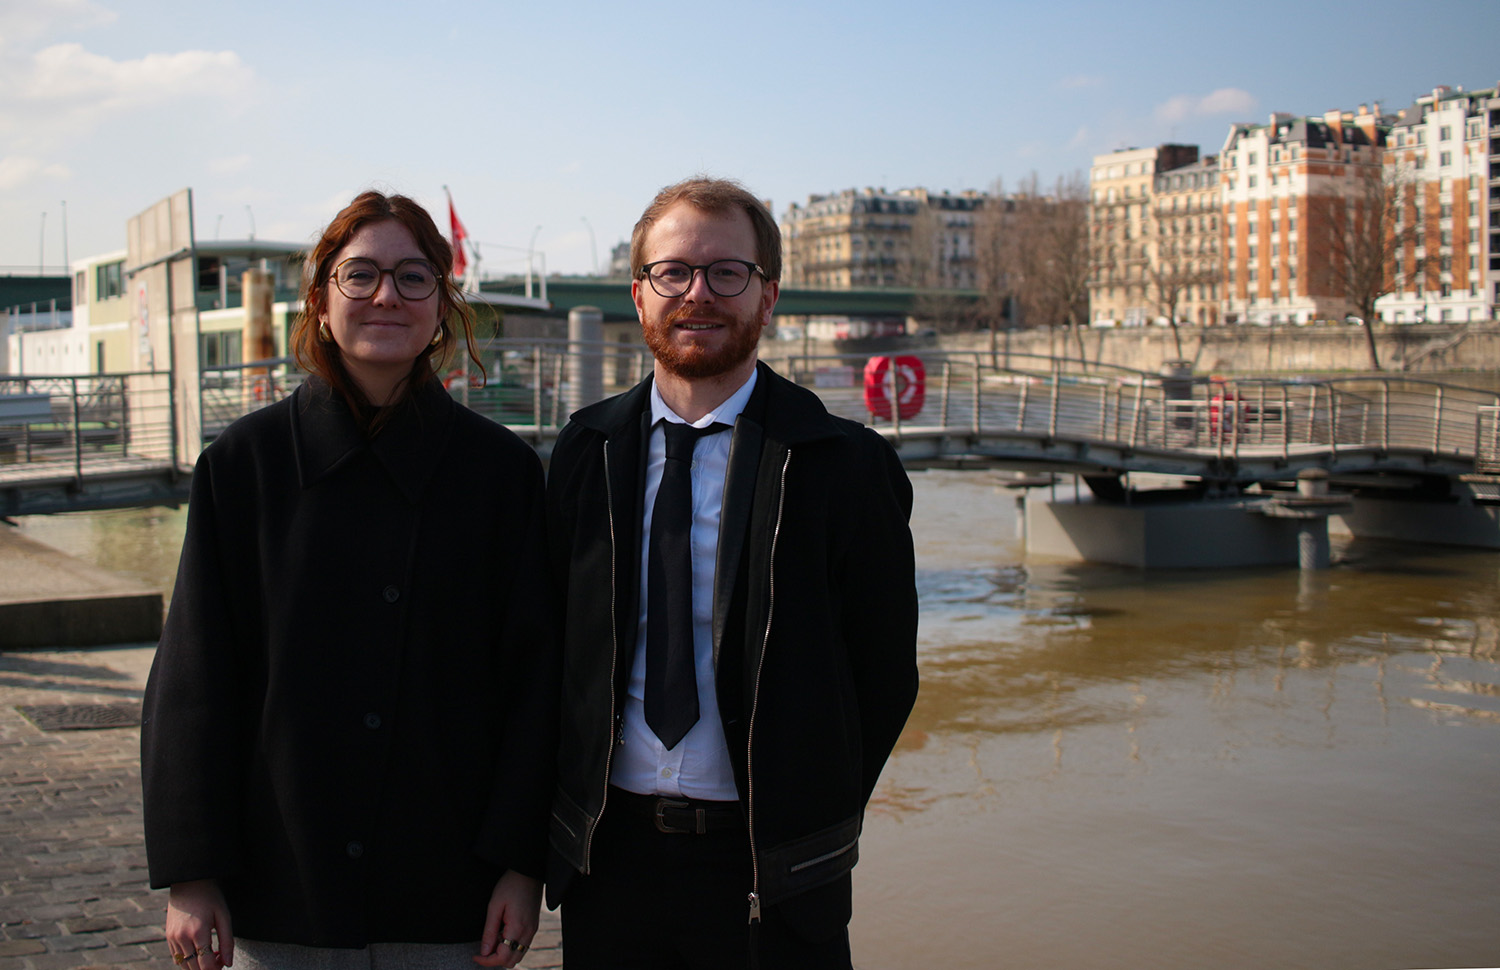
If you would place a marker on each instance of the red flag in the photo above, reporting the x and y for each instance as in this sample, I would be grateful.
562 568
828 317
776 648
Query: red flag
460 234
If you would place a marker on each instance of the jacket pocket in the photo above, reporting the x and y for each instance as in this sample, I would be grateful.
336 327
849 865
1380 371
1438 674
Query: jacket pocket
569 830
812 860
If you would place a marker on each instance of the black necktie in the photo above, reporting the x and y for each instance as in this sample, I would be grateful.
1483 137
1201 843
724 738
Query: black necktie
671 685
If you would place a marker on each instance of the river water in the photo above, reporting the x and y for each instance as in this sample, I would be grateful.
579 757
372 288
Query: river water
1111 768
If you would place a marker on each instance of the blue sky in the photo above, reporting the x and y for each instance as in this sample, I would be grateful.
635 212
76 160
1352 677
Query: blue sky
569 116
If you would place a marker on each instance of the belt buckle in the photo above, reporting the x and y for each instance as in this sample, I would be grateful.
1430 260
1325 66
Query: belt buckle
665 804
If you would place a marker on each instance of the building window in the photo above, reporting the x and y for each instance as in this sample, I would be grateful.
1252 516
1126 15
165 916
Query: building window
1445 158
220 349
1250 182
1445 133
110 280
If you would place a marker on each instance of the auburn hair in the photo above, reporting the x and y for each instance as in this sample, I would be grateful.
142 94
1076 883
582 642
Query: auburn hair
323 358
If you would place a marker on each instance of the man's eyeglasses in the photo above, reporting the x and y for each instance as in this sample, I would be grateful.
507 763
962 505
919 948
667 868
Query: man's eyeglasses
358 278
725 277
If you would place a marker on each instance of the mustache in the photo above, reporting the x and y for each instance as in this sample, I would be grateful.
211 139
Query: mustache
710 314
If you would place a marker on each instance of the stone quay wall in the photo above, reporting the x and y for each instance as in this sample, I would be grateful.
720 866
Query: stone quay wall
1417 349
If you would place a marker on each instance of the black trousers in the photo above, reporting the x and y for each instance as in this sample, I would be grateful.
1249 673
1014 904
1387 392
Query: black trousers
679 900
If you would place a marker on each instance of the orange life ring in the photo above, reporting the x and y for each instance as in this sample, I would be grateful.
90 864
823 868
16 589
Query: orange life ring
911 386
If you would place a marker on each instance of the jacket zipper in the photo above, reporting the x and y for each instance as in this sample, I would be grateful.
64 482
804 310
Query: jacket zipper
616 732
755 696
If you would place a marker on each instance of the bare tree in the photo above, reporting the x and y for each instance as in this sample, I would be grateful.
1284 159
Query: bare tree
1052 254
1374 228
1173 268
993 269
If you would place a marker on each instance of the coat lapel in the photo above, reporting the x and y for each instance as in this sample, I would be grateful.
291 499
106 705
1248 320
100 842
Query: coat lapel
327 438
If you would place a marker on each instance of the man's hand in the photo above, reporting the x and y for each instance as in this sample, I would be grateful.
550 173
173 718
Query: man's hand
511 922
196 913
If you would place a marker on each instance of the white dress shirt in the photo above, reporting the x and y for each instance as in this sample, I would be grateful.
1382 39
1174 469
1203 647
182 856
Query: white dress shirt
699 766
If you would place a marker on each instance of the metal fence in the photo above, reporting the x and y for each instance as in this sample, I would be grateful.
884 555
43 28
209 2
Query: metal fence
93 423
533 386
973 394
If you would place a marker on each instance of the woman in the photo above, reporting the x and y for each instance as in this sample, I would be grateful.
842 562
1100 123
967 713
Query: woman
346 743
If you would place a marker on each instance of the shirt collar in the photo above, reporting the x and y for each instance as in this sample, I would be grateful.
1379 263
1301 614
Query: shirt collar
725 413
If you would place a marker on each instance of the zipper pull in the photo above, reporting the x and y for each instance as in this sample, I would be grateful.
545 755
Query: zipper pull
755 907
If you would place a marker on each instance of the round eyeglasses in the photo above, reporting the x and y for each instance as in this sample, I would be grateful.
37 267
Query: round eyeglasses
358 278
725 277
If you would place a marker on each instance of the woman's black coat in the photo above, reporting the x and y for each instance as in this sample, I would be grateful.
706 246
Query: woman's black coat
350 716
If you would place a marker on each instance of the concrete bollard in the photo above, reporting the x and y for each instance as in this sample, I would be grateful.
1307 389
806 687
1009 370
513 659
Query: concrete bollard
585 356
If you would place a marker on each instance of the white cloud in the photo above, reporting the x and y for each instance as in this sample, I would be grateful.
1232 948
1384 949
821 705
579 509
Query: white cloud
1080 138
60 94
26 20
67 76
1224 101
1074 81
16 171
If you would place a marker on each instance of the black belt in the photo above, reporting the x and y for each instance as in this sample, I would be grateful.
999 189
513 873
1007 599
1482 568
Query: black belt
680 816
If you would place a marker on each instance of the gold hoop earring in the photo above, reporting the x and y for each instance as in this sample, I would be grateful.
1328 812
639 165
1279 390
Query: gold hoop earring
437 338
323 333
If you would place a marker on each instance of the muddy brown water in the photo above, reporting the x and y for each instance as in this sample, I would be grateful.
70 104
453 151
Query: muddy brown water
1112 768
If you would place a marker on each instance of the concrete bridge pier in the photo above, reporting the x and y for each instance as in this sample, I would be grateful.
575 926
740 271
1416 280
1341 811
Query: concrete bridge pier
1468 516
1186 528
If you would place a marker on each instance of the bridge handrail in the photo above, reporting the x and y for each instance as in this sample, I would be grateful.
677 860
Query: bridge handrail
978 403
93 423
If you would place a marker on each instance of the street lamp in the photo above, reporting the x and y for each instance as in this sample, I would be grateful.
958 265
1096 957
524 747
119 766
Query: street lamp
593 247
530 259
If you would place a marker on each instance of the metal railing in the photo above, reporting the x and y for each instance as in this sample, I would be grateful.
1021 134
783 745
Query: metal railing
968 394
75 423
532 386
71 426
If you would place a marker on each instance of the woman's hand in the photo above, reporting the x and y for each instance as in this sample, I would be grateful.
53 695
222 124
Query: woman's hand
196 912
511 922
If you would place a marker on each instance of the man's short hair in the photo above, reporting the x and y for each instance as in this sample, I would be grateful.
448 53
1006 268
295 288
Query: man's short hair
712 195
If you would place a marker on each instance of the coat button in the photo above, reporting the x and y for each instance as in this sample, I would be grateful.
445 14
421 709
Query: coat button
354 850
372 721
391 594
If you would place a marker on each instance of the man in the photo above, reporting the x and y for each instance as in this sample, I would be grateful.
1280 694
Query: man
739 654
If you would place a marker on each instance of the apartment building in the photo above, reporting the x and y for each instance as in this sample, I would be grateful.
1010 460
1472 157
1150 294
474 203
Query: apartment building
1284 188
1444 154
1183 270
1122 227
873 238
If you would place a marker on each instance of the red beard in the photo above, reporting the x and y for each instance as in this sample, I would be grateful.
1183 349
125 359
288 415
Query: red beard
742 336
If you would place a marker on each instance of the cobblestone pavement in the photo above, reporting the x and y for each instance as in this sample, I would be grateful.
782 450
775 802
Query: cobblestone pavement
73 890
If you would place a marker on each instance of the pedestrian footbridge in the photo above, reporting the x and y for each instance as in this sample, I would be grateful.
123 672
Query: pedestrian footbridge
98 441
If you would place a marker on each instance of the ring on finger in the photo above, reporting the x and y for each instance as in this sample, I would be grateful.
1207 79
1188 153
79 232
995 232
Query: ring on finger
179 958
202 950
516 945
